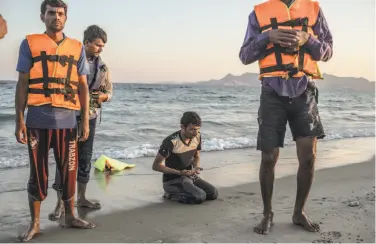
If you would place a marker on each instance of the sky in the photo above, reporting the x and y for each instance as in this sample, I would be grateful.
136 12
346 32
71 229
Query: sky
186 40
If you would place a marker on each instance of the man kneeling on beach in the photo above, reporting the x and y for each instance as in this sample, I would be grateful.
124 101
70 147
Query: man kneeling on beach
181 154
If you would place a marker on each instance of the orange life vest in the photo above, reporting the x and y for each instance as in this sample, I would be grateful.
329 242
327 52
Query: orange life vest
54 78
288 62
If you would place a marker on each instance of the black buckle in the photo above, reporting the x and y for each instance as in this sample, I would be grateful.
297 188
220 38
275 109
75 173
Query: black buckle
304 21
47 92
63 60
69 94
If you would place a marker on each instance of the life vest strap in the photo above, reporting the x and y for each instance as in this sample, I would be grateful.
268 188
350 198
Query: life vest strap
52 80
277 48
302 50
289 51
291 23
63 59
69 95
51 91
45 72
284 67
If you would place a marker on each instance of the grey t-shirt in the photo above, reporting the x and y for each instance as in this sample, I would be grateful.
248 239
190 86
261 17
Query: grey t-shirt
46 116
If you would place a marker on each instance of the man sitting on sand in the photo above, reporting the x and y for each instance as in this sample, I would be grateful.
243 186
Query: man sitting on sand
287 38
181 153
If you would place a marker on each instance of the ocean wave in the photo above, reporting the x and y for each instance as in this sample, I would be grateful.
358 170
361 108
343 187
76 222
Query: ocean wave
209 145
7 117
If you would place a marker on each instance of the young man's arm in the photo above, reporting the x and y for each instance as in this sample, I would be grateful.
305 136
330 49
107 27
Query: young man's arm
83 71
163 153
196 161
23 67
20 105
321 48
106 95
255 42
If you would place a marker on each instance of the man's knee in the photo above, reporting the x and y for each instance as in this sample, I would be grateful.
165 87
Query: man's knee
306 148
269 158
200 197
212 195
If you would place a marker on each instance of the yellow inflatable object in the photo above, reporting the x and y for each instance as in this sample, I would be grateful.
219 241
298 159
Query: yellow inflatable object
112 164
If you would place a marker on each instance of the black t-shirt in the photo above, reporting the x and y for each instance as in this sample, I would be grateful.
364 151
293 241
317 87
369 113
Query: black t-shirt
179 155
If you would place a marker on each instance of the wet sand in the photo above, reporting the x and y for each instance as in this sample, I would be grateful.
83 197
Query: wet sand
134 211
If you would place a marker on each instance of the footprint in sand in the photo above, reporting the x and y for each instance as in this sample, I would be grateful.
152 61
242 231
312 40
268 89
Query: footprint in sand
328 237
233 197
246 193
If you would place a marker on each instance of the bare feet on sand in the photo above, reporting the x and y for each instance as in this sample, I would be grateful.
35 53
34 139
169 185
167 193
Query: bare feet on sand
84 203
57 213
302 220
75 222
33 229
266 223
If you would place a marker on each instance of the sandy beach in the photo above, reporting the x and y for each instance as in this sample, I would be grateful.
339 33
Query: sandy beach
134 210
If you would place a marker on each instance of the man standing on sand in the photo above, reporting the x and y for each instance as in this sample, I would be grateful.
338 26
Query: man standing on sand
100 90
181 153
52 84
287 38
3 27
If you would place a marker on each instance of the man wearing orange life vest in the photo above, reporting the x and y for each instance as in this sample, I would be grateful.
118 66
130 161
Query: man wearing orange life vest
287 38
52 84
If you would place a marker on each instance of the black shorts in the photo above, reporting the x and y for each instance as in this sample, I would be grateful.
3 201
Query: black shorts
274 112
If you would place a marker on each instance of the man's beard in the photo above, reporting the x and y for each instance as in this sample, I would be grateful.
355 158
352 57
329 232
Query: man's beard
55 29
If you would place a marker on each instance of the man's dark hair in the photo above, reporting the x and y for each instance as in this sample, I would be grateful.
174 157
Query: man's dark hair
94 32
55 4
190 118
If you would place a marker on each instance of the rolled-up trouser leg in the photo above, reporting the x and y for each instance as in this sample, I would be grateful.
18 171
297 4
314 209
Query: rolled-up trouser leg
65 150
38 146
85 153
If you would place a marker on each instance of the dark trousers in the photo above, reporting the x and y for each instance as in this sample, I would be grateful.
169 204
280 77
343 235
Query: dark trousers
64 144
190 189
85 154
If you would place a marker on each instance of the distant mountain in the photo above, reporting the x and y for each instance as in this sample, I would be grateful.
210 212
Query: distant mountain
329 82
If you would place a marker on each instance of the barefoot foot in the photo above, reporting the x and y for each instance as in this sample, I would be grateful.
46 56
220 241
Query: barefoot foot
78 223
302 220
33 230
88 204
266 223
57 213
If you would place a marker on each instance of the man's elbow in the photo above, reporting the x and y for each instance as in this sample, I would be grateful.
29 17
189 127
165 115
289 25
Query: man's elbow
327 57
156 167
246 59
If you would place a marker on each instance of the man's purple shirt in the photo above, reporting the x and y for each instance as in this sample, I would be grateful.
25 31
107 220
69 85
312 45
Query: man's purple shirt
254 47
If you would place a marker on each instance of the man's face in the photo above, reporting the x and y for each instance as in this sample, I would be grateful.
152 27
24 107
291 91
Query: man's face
54 19
94 48
191 130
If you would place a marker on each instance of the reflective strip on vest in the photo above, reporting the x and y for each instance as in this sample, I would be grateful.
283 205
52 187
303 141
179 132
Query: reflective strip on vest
54 76
281 61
